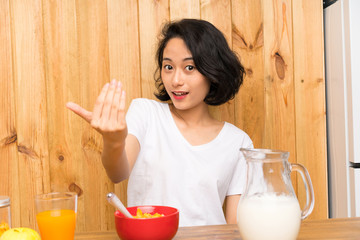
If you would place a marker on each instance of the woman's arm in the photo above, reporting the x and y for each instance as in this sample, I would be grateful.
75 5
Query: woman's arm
108 118
119 161
231 203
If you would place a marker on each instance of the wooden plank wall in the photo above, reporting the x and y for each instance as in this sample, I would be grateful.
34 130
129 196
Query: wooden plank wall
56 51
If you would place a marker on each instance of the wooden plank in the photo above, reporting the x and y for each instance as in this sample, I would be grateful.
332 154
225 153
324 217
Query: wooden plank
226 231
97 236
93 57
345 228
124 46
278 82
31 105
124 52
63 74
248 43
152 16
184 9
9 174
279 86
279 95
310 99
219 14
339 228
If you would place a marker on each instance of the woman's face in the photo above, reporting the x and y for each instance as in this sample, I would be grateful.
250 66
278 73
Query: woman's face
186 86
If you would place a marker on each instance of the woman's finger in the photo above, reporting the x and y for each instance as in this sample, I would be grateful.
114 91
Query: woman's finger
121 110
116 102
108 101
80 111
98 107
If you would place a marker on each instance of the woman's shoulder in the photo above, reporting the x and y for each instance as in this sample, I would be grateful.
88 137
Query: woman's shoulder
234 129
233 132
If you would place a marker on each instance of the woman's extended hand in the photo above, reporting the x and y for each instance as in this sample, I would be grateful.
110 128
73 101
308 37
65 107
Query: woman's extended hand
108 116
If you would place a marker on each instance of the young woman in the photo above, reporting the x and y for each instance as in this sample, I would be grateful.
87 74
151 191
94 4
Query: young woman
174 152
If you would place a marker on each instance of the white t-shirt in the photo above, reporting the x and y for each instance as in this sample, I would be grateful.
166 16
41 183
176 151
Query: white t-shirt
170 171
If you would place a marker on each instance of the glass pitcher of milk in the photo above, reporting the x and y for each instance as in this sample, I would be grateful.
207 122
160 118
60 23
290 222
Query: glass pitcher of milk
269 208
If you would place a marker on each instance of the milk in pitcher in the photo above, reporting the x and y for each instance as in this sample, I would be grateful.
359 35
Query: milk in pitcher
269 216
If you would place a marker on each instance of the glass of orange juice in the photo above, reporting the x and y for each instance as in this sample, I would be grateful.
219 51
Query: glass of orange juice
56 215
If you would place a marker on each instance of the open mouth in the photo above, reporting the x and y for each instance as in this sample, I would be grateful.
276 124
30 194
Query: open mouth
180 93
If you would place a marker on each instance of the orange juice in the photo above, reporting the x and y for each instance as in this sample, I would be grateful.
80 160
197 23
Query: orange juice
57 224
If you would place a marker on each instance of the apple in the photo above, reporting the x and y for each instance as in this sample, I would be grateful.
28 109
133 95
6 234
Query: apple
20 234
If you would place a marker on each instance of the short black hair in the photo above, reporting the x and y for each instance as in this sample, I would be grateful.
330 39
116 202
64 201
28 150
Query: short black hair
212 57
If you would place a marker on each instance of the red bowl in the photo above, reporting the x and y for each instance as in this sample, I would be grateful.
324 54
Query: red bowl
160 228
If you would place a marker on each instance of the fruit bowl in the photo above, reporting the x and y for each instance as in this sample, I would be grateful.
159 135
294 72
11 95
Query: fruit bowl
159 228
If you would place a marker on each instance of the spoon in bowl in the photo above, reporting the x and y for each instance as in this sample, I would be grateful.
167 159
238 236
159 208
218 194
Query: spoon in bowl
115 201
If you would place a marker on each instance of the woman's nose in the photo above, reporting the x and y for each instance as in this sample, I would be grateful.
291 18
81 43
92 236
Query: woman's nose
177 79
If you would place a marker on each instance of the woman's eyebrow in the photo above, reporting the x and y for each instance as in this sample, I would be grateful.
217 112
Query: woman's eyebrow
185 59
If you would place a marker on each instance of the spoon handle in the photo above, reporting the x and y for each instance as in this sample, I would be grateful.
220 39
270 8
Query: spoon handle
115 201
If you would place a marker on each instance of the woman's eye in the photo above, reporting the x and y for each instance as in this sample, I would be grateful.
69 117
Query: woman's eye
168 67
189 67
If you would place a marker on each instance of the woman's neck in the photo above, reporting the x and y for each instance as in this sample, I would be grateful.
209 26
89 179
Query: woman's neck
196 125
192 117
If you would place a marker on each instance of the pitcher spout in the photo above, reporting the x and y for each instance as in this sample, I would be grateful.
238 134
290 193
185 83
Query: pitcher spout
264 154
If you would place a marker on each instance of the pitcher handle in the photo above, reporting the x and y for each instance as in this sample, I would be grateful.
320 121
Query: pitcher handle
310 199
